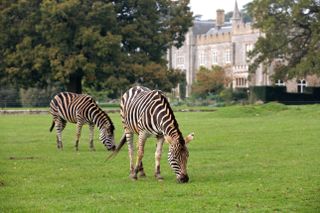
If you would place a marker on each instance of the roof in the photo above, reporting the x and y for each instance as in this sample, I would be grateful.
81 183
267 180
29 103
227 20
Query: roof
236 13
227 27
202 27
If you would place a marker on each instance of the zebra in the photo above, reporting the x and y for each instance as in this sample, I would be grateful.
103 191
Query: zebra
147 112
80 109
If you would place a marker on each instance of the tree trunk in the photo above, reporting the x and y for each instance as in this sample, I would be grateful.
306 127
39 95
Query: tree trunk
74 84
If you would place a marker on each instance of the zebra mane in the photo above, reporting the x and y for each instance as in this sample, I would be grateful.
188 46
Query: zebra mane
175 123
105 116
112 128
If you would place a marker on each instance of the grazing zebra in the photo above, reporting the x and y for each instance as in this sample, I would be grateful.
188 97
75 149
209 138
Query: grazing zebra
80 109
147 112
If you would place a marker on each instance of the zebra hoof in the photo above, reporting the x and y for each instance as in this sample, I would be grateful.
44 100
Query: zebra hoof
133 177
60 146
158 177
143 175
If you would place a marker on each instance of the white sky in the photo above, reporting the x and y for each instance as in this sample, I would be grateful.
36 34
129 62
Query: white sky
207 8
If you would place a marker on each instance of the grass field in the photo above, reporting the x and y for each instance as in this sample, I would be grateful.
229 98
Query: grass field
243 159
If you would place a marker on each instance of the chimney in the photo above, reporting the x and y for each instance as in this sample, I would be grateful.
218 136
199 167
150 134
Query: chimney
220 18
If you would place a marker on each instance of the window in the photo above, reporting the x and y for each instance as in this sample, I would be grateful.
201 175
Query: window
180 57
227 56
241 82
202 58
280 83
214 55
301 85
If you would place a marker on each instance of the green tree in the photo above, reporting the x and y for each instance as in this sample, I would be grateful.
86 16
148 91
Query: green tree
98 44
67 41
148 29
291 31
208 81
228 16
17 27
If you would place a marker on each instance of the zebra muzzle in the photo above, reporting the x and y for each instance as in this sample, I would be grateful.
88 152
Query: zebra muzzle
183 179
113 148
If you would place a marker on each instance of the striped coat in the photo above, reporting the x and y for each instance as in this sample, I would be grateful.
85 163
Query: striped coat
147 112
80 109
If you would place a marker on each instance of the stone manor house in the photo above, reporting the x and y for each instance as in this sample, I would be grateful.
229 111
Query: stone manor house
226 44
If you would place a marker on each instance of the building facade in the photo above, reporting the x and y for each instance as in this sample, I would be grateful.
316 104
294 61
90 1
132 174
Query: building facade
226 44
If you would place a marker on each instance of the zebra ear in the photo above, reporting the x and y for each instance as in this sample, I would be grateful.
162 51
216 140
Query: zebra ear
189 138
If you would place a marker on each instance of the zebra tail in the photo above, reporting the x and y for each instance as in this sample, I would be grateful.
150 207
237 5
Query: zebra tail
118 148
52 126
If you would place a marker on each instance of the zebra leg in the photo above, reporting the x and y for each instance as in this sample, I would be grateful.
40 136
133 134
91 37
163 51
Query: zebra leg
91 128
60 125
142 140
129 137
141 171
78 134
157 156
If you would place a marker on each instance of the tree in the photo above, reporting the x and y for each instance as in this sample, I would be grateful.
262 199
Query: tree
67 41
97 44
208 81
291 31
228 16
148 29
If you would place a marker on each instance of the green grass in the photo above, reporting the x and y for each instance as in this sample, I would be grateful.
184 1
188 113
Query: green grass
243 159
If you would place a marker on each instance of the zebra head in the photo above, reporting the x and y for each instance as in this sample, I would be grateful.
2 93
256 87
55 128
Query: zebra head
107 137
178 157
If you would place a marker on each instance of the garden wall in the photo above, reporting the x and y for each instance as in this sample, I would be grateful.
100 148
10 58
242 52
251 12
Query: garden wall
280 94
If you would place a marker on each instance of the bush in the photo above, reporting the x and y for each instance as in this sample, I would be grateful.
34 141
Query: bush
226 95
35 97
208 81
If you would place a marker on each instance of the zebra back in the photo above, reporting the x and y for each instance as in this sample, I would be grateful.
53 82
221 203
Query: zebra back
80 108
149 110
72 106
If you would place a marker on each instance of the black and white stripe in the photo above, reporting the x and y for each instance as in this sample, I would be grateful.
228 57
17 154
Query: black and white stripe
81 109
147 112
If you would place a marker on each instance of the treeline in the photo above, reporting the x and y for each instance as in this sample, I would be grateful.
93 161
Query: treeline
98 45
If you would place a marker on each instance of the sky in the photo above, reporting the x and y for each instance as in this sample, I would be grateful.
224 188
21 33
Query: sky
207 8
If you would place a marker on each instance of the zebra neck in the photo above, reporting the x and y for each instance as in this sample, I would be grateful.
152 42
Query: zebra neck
103 124
173 132
100 119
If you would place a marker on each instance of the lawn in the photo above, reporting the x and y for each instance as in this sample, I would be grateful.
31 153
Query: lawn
243 159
